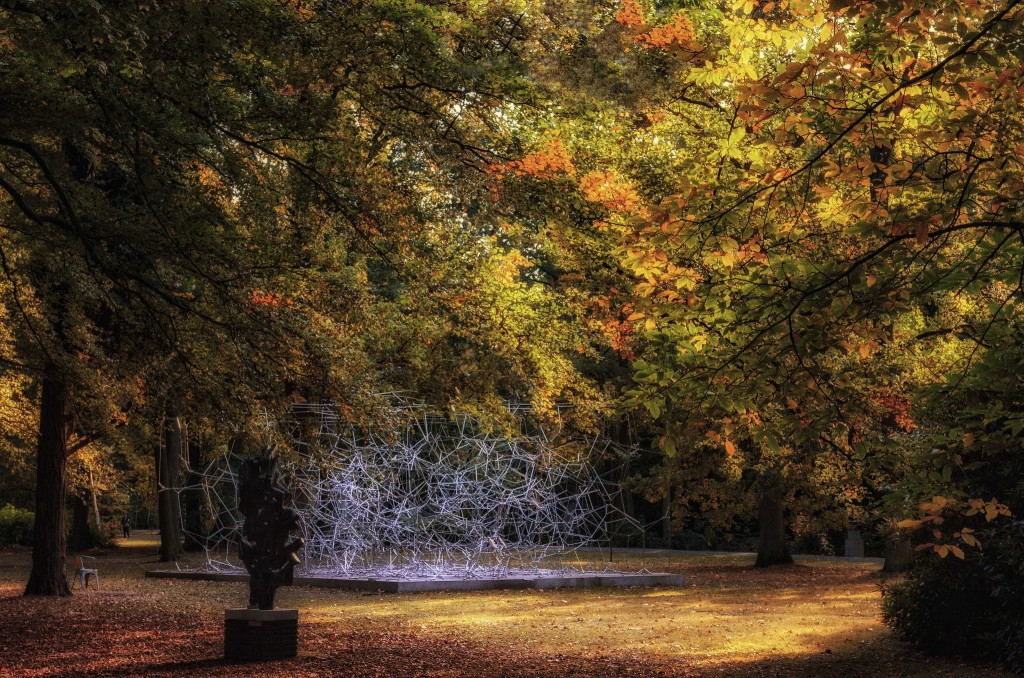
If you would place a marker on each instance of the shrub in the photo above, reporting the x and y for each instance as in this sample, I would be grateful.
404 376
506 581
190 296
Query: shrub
103 537
15 526
969 607
813 543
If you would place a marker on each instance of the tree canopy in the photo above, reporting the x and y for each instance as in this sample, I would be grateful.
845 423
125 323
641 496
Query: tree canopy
777 246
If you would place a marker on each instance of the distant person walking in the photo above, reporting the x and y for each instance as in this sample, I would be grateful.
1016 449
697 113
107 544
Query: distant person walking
126 526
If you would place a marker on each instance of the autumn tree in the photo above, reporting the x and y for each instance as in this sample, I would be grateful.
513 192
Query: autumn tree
191 228
814 201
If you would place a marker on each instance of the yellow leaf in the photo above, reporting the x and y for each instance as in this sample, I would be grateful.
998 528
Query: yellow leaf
871 280
956 551
635 316
865 350
909 523
730 449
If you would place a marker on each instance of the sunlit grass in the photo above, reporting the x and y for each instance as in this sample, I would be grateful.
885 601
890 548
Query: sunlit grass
706 618
141 540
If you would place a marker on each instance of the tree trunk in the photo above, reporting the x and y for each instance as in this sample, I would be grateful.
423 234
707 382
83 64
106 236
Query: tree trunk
195 530
899 553
169 511
666 514
48 576
81 538
95 496
772 548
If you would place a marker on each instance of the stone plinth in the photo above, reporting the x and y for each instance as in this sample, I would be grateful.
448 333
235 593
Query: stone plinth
423 584
260 635
854 544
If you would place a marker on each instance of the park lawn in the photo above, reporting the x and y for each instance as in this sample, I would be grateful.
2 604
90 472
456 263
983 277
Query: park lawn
816 618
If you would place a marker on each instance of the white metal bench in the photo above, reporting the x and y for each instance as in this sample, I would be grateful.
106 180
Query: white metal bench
86 570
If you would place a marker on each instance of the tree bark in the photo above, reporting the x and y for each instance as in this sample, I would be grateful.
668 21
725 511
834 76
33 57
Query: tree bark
195 530
168 508
666 514
772 548
94 495
81 538
48 576
899 553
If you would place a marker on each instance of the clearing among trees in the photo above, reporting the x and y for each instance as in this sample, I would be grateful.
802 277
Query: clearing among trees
814 618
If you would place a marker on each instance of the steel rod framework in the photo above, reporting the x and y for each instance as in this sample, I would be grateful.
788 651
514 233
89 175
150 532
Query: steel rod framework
440 498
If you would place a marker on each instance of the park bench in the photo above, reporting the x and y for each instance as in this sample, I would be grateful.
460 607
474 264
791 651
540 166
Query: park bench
86 568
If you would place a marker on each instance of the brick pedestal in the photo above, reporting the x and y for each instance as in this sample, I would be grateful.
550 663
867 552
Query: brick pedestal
260 635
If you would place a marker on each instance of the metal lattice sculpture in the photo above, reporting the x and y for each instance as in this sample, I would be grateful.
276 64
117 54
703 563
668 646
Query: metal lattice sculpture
439 499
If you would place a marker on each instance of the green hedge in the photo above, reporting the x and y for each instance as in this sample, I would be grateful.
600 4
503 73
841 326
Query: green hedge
15 526
971 607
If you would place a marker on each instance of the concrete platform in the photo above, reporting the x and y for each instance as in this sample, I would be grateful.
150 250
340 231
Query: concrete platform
419 585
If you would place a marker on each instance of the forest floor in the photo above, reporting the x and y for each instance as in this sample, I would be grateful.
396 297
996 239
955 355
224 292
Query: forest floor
814 618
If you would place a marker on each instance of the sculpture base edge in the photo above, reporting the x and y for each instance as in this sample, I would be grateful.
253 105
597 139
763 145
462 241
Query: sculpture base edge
260 635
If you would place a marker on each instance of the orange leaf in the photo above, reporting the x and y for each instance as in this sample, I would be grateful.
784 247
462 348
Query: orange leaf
921 232
630 14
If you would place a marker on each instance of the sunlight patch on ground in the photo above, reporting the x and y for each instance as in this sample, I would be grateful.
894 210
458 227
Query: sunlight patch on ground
144 540
752 617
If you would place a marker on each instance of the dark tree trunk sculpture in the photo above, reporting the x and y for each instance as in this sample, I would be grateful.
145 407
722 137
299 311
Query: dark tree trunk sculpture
264 549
